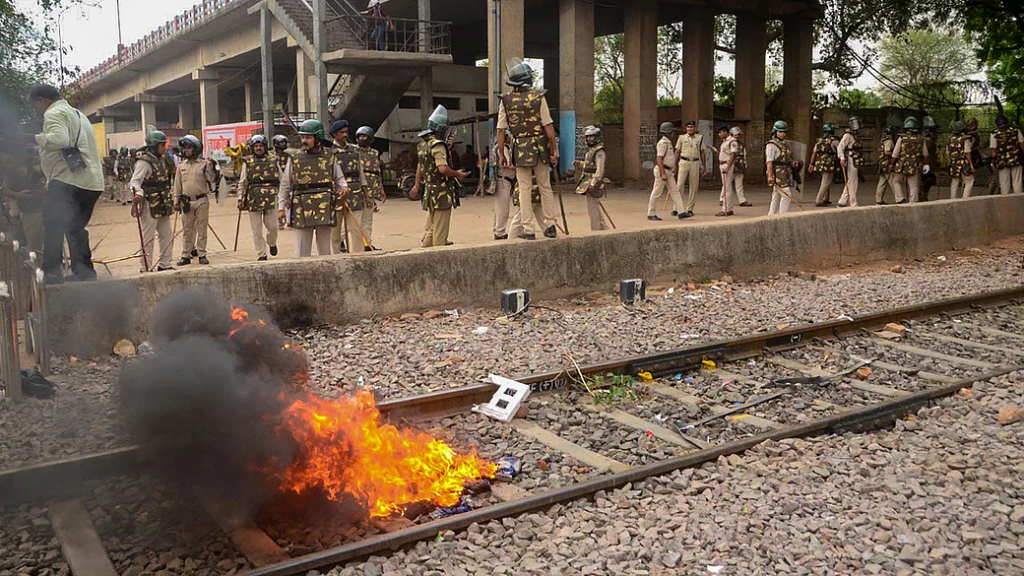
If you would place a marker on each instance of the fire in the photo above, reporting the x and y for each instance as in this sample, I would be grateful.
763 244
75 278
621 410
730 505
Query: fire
345 450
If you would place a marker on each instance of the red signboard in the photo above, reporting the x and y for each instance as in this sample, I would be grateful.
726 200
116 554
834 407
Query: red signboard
218 138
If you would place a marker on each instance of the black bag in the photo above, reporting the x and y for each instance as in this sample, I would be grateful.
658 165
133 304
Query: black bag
72 155
35 385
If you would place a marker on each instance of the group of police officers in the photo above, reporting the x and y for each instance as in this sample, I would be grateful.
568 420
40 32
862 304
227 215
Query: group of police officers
329 189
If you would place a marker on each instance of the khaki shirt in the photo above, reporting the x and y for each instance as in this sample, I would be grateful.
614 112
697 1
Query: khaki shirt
729 149
845 142
284 194
66 127
690 146
194 178
143 170
545 115
440 154
664 151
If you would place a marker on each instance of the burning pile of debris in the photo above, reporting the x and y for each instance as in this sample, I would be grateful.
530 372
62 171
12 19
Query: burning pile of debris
221 406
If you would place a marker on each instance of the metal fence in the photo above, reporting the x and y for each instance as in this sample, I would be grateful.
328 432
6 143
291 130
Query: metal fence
398 34
22 299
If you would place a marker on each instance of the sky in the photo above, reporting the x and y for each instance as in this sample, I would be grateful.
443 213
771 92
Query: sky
90 30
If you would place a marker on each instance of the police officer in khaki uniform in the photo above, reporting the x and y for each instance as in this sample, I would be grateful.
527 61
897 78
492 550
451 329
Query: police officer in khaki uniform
690 160
911 157
850 161
732 163
504 184
665 175
312 187
781 161
258 185
437 180
193 185
152 200
373 172
591 183
1007 146
961 165
823 161
886 165
351 207
525 113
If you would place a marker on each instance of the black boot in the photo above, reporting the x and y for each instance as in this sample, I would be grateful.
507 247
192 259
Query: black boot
551 232
184 261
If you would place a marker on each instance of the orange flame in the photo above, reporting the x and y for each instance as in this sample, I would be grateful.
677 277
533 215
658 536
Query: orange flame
345 450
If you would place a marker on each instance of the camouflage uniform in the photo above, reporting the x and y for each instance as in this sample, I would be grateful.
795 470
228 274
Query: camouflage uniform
910 155
886 164
593 177
439 191
351 207
825 159
732 189
1006 158
525 113
960 169
851 159
373 172
258 185
123 168
151 180
781 155
310 187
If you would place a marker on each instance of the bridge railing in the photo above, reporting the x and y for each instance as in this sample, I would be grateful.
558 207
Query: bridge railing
398 34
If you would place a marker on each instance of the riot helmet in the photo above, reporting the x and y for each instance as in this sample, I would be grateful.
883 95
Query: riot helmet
593 136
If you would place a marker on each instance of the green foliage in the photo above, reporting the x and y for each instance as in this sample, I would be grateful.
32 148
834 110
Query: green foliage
997 29
725 91
27 56
614 388
923 68
608 103
855 99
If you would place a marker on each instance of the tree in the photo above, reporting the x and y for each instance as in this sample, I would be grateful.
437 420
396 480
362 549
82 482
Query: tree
725 91
27 56
855 99
925 68
996 28
609 78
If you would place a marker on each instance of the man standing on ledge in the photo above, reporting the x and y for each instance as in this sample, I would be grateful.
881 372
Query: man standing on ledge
525 113
690 159
437 179
70 160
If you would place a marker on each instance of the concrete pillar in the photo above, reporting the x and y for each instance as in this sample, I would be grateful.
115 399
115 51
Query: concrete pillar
699 69
423 11
511 15
426 95
108 129
576 76
267 65
750 101
797 86
186 115
303 70
148 115
252 100
640 105
319 99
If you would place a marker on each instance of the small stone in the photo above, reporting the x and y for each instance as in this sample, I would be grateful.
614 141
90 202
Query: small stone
863 372
431 314
408 316
1010 415
543 465
897 269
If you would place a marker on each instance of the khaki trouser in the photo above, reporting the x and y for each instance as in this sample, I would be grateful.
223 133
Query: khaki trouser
1011 179
597 221
353 220
366 220
150 228
660 187
435 233
849 197
780 201
732 190
886 181
502 206
689 173
304 247
954 185
908 187
825 188
259 220
525 176
195 228
32 224
517 219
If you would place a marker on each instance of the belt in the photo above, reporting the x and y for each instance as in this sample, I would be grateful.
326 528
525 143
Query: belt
723 162
689 159
197 197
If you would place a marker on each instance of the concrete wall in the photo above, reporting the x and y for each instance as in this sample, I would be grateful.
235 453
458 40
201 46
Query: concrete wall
342 289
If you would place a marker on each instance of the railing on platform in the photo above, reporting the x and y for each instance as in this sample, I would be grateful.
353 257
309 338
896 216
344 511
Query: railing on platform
398 34
22 299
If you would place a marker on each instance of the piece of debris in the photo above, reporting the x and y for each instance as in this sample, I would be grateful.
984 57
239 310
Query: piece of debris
863 372
543 465
408 316
1010 415
645 376
888 335
445 511
897 269
897 328
430 314
508 468
480 331
708 364
124 348
506 401
35 385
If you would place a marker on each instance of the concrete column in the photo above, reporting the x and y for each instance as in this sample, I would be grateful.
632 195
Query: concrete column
423 11
751 37
511 15
797 86
148 115
699 69
108 129
576 75
267 65
303 70
252 100
426 95
320 68
187 115
640 106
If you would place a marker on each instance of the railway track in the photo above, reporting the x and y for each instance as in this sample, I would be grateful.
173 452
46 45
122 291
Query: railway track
701 403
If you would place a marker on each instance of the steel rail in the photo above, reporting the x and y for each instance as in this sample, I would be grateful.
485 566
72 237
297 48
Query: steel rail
39 482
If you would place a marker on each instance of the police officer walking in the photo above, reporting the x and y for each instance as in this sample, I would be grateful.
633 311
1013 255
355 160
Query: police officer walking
824 158
591 183
504 184
961 164
312 186
281 159
1007 146
690 159
373 172
911 157
525 113
348 157
438 181
665 175
850 160
886 167
732 163
258 184
152 200
781 161
192 187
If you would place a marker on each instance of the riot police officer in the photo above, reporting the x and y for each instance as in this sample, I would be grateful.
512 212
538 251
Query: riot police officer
591 183
152 200
258 185
1007 146
438 181
911 157
824 158
193 184
373 172
781 160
